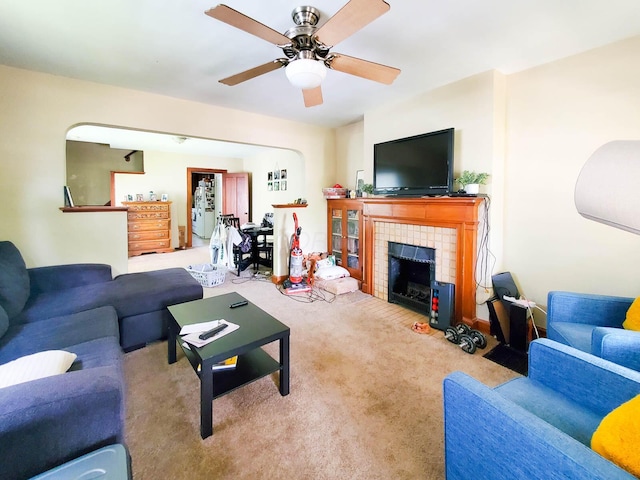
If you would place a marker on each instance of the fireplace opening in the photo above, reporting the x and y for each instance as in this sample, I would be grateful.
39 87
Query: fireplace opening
411 271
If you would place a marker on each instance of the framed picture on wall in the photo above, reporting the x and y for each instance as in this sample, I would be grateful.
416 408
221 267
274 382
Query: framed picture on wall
283 184
269 186
276 174
283 174
359 180
269 176
276 186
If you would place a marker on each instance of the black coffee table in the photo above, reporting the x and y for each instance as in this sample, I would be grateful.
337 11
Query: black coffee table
257 328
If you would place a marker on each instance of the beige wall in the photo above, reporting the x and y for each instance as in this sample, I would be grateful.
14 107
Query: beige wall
533 131
166 172
350 154
475 108
38 111
262 199
89 167
557 115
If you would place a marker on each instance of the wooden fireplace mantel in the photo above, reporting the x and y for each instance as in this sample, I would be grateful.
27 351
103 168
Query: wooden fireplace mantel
459 213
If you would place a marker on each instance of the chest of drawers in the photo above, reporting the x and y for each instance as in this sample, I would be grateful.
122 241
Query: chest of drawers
148 227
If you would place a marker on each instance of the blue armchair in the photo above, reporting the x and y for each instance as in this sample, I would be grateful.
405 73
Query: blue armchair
535 427
593 324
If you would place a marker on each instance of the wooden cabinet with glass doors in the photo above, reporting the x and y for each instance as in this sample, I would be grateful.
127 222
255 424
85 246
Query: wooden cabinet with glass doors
345 233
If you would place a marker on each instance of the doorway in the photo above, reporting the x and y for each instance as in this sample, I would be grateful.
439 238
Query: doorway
196 176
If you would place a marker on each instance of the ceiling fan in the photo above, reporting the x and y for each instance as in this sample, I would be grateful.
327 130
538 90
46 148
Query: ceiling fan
307 46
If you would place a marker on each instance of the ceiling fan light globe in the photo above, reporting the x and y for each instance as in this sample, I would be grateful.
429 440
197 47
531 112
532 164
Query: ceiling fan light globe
306 73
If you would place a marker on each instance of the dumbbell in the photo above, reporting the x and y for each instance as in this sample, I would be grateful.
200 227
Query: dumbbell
478 338
465 337
453 333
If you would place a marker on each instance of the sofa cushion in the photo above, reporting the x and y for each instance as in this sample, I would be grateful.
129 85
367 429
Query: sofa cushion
617 438
130 294
58 333
101 352
14 279
4 321
576 335
574 419
35 366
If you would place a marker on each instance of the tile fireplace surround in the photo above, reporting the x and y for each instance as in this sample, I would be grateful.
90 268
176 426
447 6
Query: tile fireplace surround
449 225
443 240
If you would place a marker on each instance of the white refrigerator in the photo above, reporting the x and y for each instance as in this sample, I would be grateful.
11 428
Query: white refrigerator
207 206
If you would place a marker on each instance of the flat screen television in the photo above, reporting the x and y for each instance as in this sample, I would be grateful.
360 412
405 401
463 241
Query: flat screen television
414 166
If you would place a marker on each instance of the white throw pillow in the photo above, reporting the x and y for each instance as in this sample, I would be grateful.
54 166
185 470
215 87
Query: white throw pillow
38 365
329 273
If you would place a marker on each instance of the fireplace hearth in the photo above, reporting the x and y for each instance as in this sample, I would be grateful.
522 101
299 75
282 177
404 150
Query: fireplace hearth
411 271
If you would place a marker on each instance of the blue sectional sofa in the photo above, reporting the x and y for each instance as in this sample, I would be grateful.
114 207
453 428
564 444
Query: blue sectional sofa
539 426
79 309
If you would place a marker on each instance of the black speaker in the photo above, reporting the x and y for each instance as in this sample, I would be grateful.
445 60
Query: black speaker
519 322
442 304
503 284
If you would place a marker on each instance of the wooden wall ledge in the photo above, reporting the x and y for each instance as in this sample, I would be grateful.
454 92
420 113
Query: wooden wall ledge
93 208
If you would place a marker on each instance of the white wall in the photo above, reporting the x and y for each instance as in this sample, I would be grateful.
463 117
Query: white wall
558 115
40 108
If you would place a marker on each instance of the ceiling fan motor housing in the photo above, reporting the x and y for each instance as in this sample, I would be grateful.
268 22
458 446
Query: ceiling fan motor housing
302 35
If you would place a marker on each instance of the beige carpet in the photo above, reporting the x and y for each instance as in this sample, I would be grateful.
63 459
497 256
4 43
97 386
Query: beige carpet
365 401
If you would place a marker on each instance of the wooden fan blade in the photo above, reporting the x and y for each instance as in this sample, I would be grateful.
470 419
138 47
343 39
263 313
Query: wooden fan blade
363 68
252 73
239 20
312 96
355 15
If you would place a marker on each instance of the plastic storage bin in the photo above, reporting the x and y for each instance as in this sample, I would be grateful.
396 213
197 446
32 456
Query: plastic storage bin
107 463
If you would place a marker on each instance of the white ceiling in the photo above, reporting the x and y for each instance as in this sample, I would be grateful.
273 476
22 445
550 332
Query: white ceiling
171 47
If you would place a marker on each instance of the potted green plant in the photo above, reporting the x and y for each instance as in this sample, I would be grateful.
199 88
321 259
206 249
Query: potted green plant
367 189
470 181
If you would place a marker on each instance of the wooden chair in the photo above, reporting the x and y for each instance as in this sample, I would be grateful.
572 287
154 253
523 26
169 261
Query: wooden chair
264 251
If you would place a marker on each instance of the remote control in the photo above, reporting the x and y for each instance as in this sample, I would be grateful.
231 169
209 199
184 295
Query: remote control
212 332
238 304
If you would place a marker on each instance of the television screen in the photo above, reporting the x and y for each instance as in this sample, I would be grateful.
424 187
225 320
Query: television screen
418 165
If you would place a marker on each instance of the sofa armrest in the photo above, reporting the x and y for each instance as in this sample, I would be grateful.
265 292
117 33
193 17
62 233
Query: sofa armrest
576 375
61 277
617 345
597 310
46 422
488 436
